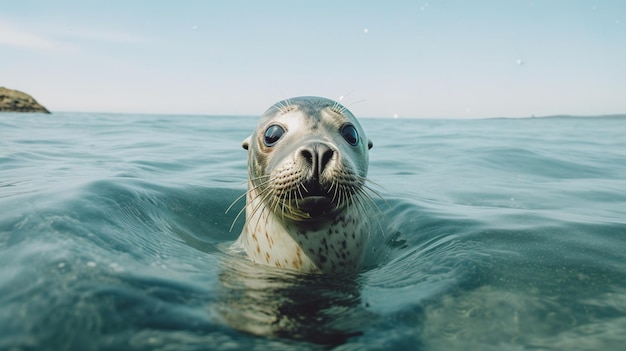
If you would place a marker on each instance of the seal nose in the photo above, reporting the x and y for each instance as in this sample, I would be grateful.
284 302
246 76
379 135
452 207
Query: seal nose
317 156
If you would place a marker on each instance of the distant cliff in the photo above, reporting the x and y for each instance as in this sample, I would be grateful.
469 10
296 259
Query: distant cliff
16 101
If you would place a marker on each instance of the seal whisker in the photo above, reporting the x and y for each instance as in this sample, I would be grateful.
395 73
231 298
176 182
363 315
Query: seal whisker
284 204
355 102
372 190
236 218
337 108
263 209
338 104
344 196
336 186
282 106
367 180
339 196
280 207
264 196
267 193
234 202
259 177
370 207
372 203
251 177
359 202
375 211
279 105
270 209
300 191
378 195
246 193
365 191
259 186
244 208
289 201
342 109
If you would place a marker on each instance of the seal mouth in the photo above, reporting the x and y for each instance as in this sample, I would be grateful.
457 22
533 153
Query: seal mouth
301 194
316 206
313 188
315 200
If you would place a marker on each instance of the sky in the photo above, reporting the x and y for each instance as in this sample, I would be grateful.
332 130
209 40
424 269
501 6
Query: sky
423 59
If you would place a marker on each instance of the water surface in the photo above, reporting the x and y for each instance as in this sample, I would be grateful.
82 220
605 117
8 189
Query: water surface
498 234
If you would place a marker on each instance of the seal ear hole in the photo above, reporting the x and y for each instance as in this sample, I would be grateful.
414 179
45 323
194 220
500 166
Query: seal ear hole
272 134
350 134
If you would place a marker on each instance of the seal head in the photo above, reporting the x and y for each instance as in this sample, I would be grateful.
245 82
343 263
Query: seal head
306 201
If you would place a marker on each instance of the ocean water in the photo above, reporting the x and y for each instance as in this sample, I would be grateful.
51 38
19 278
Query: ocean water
494 234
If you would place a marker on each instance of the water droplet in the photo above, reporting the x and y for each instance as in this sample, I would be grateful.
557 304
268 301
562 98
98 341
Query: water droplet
395 115
341 98
61 265
91 264
365 30
519 62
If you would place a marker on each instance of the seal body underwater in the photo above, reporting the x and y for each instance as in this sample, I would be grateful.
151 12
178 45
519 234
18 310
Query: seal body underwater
307 203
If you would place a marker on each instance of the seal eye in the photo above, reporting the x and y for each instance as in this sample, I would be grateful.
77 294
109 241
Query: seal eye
272 134
350 134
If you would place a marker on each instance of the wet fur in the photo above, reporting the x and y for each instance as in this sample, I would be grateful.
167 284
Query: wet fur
280 231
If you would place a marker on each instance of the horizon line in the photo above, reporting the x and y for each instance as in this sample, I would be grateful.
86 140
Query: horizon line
609 115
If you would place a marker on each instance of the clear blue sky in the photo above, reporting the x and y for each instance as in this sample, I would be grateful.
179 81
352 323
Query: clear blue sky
408 58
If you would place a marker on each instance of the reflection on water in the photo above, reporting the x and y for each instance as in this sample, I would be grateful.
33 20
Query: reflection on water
322 309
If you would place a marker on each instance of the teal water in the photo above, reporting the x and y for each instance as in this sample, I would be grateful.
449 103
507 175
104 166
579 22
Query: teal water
497 234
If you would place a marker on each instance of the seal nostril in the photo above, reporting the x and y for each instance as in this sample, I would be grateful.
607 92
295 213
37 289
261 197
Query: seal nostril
325 157
307 154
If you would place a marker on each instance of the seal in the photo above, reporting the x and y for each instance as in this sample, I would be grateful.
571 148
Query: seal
307 202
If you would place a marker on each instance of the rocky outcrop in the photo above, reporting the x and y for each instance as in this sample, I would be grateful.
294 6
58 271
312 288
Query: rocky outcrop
16 101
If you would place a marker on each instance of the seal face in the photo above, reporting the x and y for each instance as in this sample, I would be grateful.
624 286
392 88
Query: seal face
306 203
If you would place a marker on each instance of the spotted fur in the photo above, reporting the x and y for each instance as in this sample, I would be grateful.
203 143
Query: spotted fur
307 208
